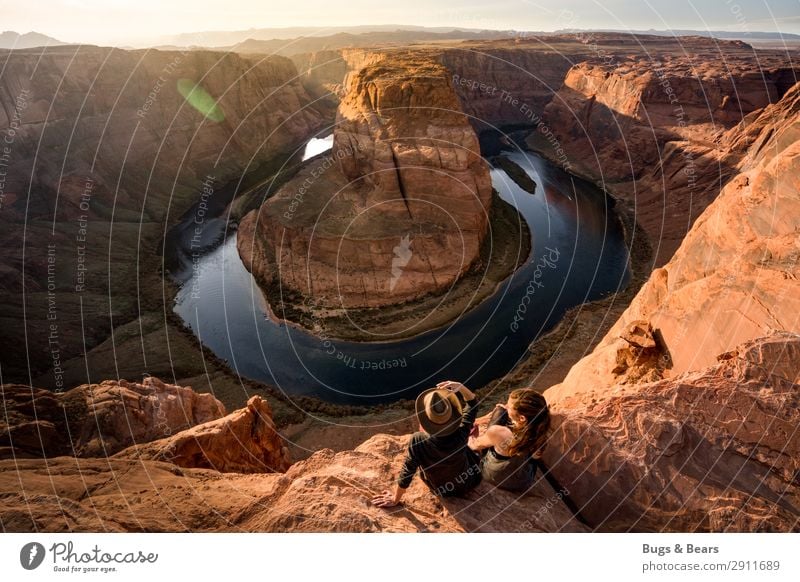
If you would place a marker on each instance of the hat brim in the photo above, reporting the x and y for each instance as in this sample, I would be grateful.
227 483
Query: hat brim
431 427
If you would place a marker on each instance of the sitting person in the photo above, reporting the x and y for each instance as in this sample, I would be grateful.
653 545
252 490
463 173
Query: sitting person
446 464
513 440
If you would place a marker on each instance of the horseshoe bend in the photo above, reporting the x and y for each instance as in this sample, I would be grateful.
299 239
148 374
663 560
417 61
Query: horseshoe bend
402 209
616 215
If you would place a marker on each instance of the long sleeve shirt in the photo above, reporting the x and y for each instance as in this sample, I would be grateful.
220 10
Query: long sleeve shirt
446 463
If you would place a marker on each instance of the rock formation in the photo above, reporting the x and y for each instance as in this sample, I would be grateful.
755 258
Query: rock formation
731 279
245 441
649 129
327 492
644 116
97 420
105 151
711 450
714 444
405 170
500 85
683 418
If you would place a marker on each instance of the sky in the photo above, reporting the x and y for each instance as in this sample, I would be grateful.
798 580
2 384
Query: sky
121 22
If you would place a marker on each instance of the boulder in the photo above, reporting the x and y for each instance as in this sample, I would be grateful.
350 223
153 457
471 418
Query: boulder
244 441
95 420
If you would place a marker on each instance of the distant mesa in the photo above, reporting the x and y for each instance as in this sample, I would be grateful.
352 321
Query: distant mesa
14 40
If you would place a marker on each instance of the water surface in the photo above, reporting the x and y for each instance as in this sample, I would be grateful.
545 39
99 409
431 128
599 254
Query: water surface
578 254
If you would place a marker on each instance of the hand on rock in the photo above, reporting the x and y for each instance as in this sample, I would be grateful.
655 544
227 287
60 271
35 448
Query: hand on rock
385 499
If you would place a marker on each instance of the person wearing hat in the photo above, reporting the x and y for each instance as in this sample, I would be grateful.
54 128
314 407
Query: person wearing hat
440 451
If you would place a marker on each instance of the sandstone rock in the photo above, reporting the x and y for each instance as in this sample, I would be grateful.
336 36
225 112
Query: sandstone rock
640 335
733 279
244 441
34 422
503 85
712 450
397 212
98 419
713 446
649 130
327 492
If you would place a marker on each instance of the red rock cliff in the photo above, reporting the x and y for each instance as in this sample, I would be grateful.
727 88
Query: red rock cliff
650 130
684 417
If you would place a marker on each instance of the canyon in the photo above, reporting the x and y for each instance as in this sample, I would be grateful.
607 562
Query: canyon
105 155
677 412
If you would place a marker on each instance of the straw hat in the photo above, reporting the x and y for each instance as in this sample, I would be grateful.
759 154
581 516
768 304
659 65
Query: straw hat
439 411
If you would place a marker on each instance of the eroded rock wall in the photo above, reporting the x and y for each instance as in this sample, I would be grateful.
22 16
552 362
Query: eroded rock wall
684 417
651 131
98 420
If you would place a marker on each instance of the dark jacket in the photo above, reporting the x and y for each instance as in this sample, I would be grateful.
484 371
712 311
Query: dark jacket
446 464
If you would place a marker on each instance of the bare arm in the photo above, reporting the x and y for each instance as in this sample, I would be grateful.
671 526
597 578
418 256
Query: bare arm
495 436
392 497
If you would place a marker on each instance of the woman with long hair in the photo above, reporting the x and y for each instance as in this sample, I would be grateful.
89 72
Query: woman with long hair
514 440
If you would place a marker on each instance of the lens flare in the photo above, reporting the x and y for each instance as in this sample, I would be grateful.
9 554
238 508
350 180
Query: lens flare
200 99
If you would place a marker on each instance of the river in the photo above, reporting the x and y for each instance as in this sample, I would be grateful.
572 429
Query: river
578 255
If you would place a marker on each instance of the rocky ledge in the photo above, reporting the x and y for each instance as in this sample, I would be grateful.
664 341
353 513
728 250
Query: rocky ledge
326 492
685 416
712 450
